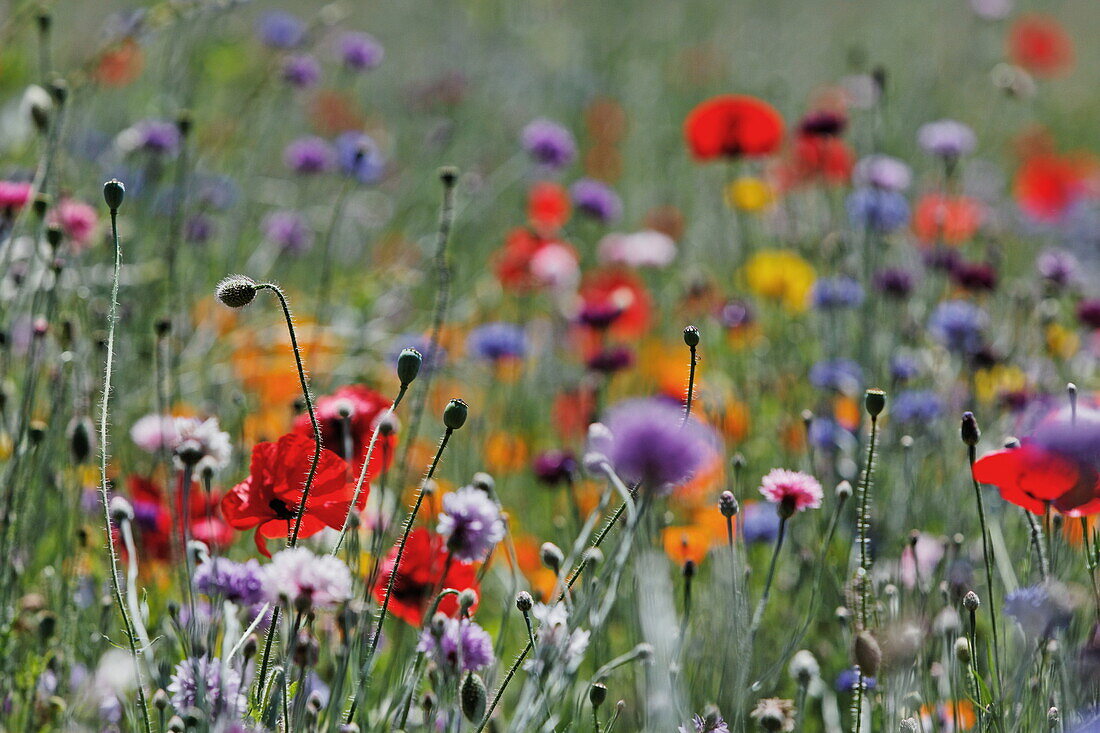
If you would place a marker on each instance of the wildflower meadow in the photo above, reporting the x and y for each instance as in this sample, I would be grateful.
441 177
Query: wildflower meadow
525 365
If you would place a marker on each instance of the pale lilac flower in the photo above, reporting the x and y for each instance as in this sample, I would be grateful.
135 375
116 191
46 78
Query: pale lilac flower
919 560
651 444
457 645
792 491
882 171
556 644
290 230
296 575
549 143
241 583
991 9
301 70
647 248
154 433
201 441
555 266
946 138
471 523
220 683
597 200
308 155
360 51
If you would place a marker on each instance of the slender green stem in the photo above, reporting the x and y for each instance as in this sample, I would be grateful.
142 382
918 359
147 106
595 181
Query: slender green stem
758 616
1037 543
691 384
987 553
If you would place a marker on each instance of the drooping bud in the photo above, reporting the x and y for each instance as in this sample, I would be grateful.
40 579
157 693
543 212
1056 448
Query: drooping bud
552 556
236 291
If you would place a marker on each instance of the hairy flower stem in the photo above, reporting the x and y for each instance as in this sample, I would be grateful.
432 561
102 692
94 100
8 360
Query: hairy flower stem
364 670
863 520
1037 543
758 616
116 585
987 553
691 384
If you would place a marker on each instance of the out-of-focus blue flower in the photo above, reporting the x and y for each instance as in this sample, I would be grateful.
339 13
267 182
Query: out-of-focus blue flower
360 51
308 155
894 282
843 375
828 435
359 157
958 326
289 230
903 368
877 209
301 70
498 340
916 406
280 29
597 200
846 681
549 143
760 522
831 293
946 138
1040 610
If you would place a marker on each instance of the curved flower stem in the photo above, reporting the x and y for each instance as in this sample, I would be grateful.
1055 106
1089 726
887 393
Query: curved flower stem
116 585
366 462
364 670
987 553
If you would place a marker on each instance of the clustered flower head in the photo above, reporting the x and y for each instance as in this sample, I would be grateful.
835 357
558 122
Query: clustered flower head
297 576
216 684
201 443
791 491
774 714
556 644
549 143
471 523
457 645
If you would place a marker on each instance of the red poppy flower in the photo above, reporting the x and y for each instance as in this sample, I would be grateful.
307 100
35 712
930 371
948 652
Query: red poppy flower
947 219
121 64
154 517
1047 185
732 126
515 261
269 498
1039 44
426 569
622 293
347 418
1056 465
548 206
817 158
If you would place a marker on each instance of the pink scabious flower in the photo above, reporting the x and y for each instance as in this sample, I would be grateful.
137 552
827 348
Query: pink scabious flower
78 220
471 522
298 576
14 195
201 441
154 433
647 248
793 491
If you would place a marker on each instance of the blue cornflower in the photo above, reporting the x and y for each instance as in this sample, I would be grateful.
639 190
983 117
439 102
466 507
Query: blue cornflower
958 325
760 522
843 375
831 293
498 340
846 681
279 29
916 406
877 209
1040 610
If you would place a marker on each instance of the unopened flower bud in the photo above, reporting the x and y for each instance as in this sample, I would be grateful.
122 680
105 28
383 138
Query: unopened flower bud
454 414
962 650
727 504
969 431
524 602
474 697
121 510
408 366
552 556
971 601
113 193
236 291
844 490
483 481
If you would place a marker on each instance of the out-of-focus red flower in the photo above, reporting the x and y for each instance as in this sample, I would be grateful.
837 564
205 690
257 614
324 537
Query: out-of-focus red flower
347 418
332 112
1048 184
426 569
528 261
121 64
572 413
815 158
1040 44
271 495
947 219
622 293
733 126
155 515
548 206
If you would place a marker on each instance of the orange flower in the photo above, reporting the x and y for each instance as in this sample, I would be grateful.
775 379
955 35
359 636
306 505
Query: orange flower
121 64
685 543
332 112
942 717
1041 45
847 413
947 219
1073 531
505 453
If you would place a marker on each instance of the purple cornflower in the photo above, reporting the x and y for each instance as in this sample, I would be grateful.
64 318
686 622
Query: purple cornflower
457 645
308 155
894 282
611 359
1057 266
651 445
158 137
916 406
221 686
846 681
597 200
289 230
958 326
735 314
713 723
1088 312
279 29
497 340
360 51
471 523
599 315
877 209
198 229
553 467
1040 610
903 368
296 575
549 143
832 293
975 276
241 583
883 172
949 139
301 70
359 157
842 375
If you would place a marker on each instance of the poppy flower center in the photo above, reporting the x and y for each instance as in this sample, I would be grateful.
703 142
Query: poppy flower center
282 509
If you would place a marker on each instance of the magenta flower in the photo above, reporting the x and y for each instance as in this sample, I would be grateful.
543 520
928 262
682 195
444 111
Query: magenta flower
793 491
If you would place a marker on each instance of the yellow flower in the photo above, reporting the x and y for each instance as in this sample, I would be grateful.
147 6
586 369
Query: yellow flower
1061 341
750 194
780 275
997 380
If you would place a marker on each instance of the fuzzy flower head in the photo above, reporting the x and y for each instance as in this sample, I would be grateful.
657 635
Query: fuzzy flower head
309 155
457 645
297 575
201 441
597 200
948 139
549 143
647 248
360 51
471 523
241 583
359 156
958 325
774 714
220 687
555 643
792 491
651 445
882 172
711 722
154 433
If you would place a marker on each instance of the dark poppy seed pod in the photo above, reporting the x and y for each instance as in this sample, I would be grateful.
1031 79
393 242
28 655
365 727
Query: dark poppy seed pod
969 432
41 204
875 402
597 694
689 569
184 122
54 235
971 601
867 653
44 20
47 625
552 556
160 700
113 193
524 602
81 442
454 414
236 291
691 336
727 504
448 174
162 327
36 432
59 90
408 366
474 697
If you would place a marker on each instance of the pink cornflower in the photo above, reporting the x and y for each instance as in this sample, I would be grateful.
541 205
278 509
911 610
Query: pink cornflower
78 220
793 491
14 194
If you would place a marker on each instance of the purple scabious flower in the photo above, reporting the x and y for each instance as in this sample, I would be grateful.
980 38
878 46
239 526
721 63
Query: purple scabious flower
289 230
842 375
597 200
611 359
360 51
847 680
220 683
916 406
958 326
652 446
296 574
882 172
460 645
279 29
760 521
358 156
241 583
710 724
471 524
1057 266
549 143
308 155
833 293
894 282
1040 610
948 139
198 229
158 137
877 209
1088 312
553 467
301 70
497 340
735 314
